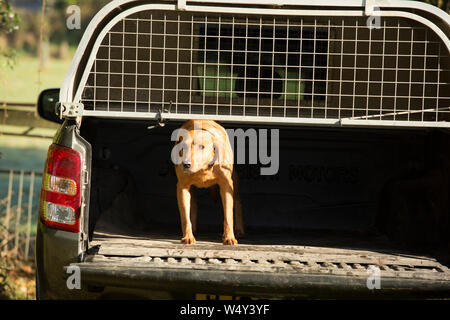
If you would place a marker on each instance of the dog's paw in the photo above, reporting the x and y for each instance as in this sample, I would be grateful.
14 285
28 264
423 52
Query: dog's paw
230 241
188 240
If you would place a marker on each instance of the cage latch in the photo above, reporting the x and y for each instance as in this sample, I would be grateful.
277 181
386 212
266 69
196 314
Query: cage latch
181 4
161 122
372 7
69 110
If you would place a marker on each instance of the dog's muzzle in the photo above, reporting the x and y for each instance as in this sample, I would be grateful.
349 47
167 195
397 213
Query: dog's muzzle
187 165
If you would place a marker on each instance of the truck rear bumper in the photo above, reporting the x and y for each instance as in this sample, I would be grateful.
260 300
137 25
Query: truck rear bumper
255 284
279 271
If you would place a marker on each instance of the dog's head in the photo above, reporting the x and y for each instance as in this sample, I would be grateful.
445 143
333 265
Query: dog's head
196 149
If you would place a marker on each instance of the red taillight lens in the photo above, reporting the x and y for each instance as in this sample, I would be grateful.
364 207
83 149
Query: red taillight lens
61 189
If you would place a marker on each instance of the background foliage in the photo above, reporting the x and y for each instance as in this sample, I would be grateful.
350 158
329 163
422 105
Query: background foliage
55 28
443 4
9 22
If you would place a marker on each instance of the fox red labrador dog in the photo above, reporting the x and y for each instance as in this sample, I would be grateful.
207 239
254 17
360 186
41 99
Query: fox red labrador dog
205 160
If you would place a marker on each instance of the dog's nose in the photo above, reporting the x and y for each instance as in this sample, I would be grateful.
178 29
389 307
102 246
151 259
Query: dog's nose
187 165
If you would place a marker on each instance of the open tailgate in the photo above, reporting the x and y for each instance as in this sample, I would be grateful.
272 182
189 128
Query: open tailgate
261 270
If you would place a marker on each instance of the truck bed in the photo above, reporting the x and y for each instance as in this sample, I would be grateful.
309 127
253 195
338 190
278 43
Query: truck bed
266 263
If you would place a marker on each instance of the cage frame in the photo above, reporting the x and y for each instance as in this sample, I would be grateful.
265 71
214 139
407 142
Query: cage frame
71 92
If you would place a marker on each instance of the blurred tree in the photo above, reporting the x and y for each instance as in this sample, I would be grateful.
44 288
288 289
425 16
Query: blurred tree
44 46
59 32
9 22
55 29
443 4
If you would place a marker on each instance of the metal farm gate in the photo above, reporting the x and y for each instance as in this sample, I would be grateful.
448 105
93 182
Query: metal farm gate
18 212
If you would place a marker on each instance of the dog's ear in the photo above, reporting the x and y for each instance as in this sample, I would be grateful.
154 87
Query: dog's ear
178 135
216 151
223 153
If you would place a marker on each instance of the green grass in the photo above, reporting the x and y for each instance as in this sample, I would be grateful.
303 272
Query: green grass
21 84
19 153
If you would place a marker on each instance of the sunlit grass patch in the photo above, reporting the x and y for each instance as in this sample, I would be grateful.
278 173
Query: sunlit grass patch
21 83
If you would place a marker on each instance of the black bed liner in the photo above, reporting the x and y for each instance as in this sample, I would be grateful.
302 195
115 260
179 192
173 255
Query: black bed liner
309 264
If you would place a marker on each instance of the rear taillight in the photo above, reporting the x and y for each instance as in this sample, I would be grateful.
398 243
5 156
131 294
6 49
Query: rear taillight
61 189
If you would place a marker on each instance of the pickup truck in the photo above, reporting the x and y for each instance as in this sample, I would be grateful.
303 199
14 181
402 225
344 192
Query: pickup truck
355 92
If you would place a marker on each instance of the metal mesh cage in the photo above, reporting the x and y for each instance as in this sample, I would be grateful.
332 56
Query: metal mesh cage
284 67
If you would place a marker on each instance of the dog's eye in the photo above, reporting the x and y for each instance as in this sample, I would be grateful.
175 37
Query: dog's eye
201 147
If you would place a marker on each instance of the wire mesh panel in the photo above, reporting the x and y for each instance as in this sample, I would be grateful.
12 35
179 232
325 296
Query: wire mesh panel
271 66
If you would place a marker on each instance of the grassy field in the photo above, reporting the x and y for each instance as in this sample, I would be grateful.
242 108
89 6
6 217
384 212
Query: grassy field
21 84
23 153
19 153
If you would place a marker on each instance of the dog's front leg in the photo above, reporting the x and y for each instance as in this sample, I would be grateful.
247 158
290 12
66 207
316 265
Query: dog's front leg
194 212
238 220
184 205
226 193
